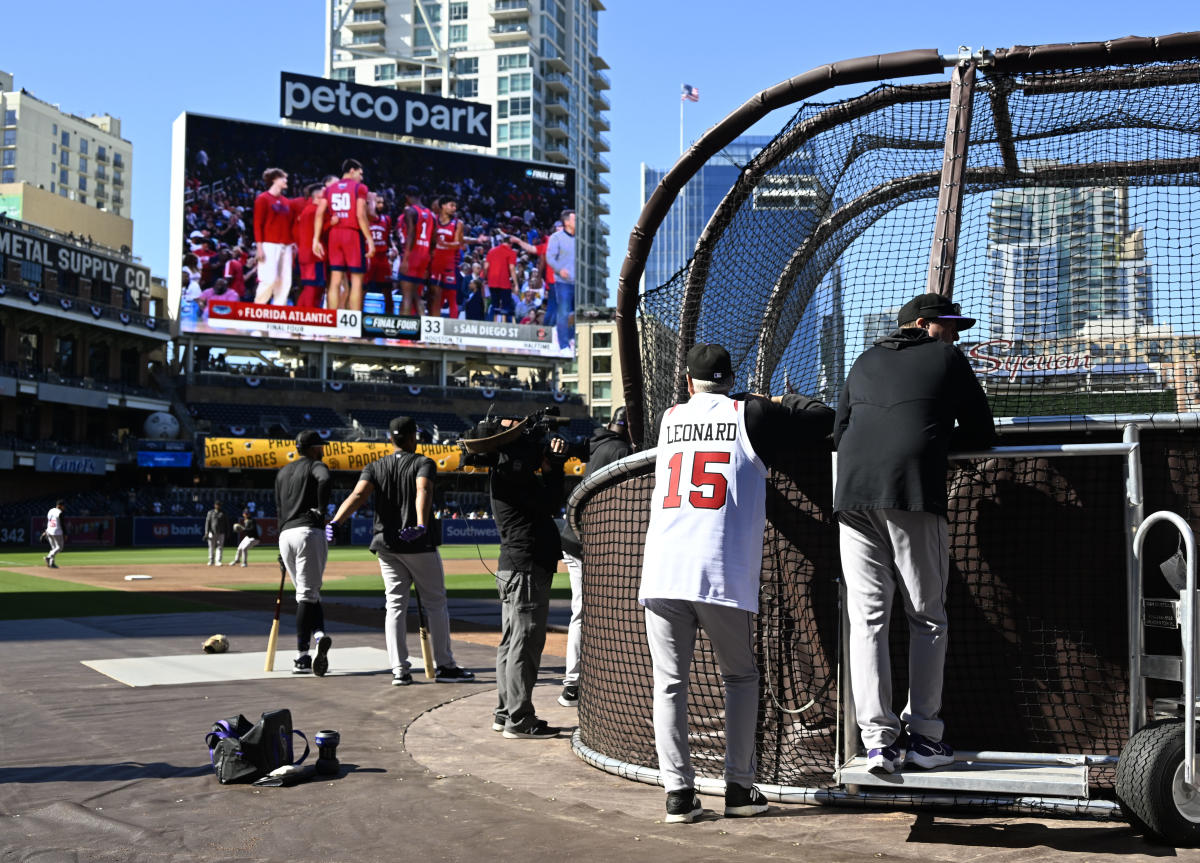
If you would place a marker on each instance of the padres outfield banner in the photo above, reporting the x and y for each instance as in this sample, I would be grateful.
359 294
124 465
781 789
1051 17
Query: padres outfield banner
274 453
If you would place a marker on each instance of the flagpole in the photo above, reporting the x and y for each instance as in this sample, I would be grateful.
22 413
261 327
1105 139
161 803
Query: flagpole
683 194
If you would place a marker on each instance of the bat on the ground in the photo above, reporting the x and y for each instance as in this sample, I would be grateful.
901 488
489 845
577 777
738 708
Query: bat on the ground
426 650
270 664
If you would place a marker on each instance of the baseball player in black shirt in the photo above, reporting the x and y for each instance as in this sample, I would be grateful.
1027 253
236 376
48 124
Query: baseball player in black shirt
402 484
301 496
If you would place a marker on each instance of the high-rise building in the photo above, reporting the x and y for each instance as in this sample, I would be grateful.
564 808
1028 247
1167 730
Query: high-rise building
677 235
66 173
535 61
1061 257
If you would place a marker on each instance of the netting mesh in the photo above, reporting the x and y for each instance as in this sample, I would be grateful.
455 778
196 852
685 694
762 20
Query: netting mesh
1036 603
1075 254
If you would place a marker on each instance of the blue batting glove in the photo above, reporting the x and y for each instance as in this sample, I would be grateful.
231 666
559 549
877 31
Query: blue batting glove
410 534
329 532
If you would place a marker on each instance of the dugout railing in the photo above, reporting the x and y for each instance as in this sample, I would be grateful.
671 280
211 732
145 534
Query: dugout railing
1047 652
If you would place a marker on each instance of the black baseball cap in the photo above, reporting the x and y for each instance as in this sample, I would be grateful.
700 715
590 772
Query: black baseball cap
709 363
402 427
931 306
307 438
618 416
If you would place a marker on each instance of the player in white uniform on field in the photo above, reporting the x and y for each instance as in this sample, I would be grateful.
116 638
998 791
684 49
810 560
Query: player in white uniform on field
54 532
702 563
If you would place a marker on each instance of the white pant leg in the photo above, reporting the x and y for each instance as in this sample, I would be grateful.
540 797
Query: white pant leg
56 545
270 259
243 549
396 581
304 553
430 578
216 548
575 627
283 286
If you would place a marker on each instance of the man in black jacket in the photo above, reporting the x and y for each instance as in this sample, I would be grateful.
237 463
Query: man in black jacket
524 504
301 495
607 444
893 431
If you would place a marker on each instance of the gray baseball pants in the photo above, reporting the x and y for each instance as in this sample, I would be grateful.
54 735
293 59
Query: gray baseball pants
884 550
399 572
216 548
671 626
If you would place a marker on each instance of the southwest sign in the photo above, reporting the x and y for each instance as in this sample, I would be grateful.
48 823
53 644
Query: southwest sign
383 109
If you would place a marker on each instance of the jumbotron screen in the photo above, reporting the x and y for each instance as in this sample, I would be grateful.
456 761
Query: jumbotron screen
463 232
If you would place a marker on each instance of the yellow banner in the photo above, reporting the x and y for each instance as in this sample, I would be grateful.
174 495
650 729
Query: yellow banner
274 453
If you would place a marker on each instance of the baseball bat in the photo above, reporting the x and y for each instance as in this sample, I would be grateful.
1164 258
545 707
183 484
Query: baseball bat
426 650
270 663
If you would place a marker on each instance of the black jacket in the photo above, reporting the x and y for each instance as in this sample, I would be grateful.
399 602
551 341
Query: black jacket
895 423
524 505
603 447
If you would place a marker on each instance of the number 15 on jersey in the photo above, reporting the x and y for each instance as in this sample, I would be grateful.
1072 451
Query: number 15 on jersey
699 475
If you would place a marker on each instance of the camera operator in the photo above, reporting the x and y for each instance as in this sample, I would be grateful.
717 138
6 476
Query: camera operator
524 504
607 444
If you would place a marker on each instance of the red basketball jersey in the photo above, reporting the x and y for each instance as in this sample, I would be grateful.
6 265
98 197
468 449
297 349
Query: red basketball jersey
445 253
343 196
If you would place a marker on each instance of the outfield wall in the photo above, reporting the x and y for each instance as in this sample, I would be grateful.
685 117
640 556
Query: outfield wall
164 531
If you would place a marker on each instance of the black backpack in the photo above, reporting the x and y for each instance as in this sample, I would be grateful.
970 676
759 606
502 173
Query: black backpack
243 752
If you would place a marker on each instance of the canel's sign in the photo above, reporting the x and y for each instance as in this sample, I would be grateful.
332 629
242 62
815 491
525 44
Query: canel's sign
383 109
990 364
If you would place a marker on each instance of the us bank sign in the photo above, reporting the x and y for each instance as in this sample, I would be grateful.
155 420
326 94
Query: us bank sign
383 109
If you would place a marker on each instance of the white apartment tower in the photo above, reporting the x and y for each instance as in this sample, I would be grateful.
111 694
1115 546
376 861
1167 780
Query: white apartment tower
60 171
535 61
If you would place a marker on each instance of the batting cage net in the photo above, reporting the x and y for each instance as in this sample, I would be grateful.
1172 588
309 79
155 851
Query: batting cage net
1075 252
1078 223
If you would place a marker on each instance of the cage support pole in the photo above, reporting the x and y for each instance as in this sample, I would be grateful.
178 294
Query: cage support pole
944 251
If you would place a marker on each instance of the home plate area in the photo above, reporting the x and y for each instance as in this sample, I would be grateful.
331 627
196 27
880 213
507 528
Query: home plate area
224 667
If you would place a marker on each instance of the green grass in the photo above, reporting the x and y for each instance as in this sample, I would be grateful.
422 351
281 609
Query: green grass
199 553
470 586
31 596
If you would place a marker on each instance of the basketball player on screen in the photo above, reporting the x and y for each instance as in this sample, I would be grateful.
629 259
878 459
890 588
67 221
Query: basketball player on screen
419 223
449 234
273 232
350 242
379 267
312 267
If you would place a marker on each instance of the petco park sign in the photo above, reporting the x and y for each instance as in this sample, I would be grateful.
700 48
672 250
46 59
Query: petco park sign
382 109
1012 366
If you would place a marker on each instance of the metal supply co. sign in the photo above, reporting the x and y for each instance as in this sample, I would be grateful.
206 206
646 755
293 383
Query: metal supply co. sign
382 109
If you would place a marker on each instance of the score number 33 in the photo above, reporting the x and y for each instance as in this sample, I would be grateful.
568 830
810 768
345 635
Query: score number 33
709 488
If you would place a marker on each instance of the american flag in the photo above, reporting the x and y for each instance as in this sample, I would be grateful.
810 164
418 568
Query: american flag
692 94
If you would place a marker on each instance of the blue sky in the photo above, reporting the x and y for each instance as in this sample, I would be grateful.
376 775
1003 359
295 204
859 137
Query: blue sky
224 58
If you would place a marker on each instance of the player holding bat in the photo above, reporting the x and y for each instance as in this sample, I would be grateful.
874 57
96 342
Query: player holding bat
404 541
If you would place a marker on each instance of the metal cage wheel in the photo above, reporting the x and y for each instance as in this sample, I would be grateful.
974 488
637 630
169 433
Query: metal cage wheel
1150 785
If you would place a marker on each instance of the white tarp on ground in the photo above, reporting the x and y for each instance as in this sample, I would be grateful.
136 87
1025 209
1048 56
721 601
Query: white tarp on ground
223 667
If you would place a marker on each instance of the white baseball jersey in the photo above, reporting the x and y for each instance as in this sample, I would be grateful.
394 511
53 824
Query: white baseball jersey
54 522
707 516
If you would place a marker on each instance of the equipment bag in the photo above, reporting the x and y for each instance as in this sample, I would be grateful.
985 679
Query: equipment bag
242 752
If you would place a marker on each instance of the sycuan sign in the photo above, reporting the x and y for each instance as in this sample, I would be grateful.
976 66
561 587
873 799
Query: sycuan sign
382 109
